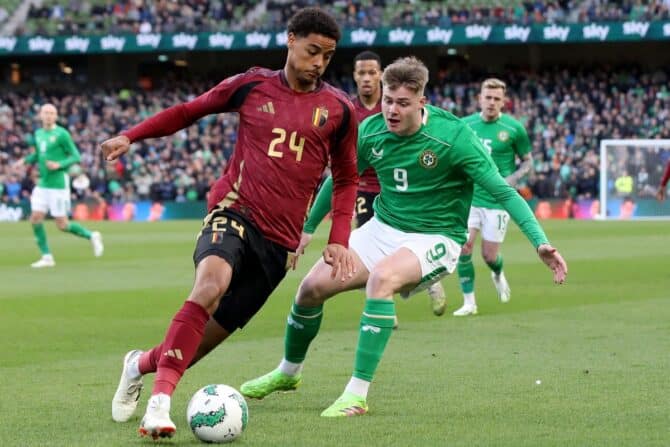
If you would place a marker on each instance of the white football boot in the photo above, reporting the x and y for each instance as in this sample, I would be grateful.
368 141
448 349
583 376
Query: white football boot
502 286
156 421
96 242
128 392
44 261
438 298
465 310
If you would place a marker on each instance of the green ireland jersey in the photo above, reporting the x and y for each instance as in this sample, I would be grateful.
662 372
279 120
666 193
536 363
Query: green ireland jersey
54 145
505 138
427 178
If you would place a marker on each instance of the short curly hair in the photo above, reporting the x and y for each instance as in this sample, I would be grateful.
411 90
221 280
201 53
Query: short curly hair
314 20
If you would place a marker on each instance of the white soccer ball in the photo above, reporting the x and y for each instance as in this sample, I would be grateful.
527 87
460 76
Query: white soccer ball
217 413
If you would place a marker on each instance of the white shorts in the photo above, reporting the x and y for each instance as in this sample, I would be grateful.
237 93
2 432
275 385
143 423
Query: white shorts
492 223
55 201
437 254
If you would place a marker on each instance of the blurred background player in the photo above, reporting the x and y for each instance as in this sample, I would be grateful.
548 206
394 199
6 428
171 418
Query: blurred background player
506 139
662 188
367 76
55 153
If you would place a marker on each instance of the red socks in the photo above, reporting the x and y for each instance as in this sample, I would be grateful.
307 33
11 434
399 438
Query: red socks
171 358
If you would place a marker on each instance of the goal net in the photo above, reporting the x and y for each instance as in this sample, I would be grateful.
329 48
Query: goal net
630 173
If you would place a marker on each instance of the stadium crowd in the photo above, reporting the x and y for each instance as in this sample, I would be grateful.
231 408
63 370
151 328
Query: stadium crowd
566 115
137 16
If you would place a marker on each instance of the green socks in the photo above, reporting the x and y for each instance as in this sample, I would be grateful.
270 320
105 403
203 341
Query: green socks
375 331
497 265
75 228
41 238
302 325
466 273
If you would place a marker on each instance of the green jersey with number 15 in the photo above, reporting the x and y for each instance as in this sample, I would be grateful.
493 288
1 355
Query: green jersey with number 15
505 138
427 178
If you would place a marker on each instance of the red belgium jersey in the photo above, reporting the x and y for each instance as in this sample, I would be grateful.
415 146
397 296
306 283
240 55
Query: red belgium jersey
285 139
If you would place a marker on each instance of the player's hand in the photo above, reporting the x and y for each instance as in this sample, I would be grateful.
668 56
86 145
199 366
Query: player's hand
52 165
115 147
305 239
554 261
341 260
661 193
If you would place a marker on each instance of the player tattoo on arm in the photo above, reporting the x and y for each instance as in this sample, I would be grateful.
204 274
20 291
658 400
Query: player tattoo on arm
524 168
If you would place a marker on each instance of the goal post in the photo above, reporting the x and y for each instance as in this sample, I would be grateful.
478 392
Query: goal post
630 173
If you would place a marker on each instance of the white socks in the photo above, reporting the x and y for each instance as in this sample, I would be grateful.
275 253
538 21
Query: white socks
357 386
289 368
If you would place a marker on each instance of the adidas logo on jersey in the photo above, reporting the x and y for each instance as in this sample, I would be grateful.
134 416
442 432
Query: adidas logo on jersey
377 153
268 107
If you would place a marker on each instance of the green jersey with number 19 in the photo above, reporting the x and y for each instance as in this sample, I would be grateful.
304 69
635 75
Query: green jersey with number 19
54 145
427 178
505 138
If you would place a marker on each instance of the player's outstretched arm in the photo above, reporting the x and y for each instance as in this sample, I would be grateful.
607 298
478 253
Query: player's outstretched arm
554 261
661 193
115 147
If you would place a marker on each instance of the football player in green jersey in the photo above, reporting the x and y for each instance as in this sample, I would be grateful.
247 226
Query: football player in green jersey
506 140
55 153
426 160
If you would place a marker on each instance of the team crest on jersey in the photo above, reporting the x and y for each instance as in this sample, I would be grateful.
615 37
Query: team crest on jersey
319 116
52 139
503 135
428 159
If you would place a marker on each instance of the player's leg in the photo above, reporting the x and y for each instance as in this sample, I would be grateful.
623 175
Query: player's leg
365 212
466 276
59 206
493 234
181 342
417 263
39 208
302 326
221 245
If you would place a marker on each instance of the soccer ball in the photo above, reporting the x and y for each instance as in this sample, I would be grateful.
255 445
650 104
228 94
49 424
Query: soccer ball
217 413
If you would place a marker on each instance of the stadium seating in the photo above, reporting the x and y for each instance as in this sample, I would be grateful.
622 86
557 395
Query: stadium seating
54 17
566 114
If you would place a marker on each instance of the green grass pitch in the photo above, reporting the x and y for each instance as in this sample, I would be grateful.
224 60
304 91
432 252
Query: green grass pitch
599 344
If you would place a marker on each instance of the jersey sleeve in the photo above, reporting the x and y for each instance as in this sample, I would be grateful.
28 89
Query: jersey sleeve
322 202
345 177
522 144
227 96
321 206
469 153
73 156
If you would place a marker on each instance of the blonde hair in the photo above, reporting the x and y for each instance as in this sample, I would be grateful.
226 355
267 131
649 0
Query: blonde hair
494 83
408 72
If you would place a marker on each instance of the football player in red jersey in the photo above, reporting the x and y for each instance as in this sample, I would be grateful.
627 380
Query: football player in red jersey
291 124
